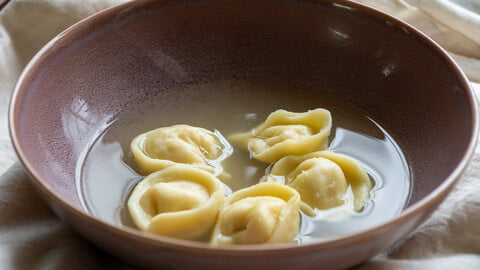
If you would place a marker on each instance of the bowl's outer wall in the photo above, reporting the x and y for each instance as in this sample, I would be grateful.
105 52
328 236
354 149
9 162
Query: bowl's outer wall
153 255
96 71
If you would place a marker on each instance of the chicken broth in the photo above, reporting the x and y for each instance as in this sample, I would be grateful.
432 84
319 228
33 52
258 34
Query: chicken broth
107 175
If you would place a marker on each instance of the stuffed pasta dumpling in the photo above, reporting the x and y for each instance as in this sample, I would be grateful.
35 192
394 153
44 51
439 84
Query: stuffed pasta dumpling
323 178
287 133
180 144
179 201
263 213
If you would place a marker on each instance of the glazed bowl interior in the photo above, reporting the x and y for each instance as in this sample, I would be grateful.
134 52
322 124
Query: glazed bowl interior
102 70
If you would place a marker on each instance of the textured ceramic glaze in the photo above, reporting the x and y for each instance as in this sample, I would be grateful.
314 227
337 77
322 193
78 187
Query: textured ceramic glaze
96 70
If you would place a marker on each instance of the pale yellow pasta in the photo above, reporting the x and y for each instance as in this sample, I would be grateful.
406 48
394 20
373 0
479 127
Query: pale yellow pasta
287 133
179 201
322 178
180 144
263 213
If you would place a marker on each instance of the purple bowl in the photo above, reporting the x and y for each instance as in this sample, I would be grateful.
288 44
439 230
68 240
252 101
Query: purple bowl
100 68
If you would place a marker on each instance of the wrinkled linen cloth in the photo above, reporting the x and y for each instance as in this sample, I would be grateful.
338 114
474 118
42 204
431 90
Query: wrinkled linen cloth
32 237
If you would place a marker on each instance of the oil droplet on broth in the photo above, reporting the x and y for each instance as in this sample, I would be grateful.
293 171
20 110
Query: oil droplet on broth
106 177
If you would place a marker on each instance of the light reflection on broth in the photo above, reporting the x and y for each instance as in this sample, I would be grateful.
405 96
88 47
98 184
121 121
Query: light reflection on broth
106 177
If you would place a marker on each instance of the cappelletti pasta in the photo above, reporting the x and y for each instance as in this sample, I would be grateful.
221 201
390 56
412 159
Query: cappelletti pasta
183 197
322 179
178 201
263 213
287 133
180 144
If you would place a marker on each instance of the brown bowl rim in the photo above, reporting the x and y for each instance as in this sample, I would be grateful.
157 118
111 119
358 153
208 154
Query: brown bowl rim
425 203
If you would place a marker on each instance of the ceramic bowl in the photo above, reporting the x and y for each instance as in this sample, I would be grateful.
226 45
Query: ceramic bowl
100 69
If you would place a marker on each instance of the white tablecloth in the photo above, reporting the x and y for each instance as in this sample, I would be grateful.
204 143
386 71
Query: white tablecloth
32 237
